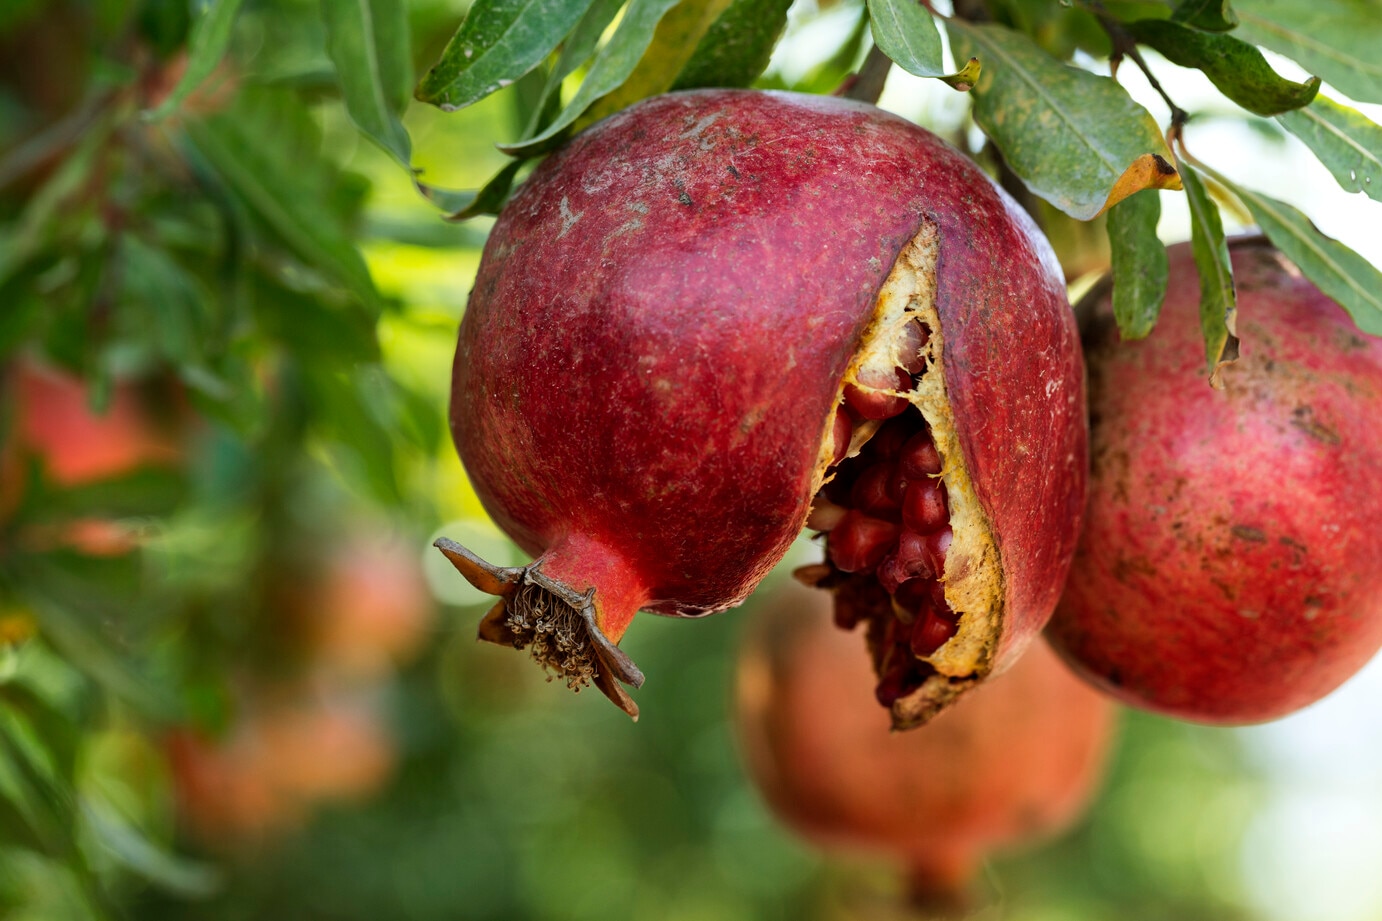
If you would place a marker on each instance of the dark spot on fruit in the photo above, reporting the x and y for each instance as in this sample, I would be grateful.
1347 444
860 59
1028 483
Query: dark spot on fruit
1125 568
733 172
1229 592
684 198
1244 532
1303 418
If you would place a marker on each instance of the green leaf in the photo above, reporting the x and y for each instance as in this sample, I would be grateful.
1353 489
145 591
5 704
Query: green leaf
736 48
575 51
1218 299
1075 138
907 34
1208 15
368 42
136 852
674 41
1140 265
205 47
1238 69
1345 140
499 41
1334 268
1337 39
612 66
252 151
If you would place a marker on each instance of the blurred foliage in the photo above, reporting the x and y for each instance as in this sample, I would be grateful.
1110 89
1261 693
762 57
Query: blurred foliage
218 245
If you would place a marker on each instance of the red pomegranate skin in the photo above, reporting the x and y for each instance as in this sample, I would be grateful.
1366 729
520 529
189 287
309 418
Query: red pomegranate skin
1230 570
655 346
1013 763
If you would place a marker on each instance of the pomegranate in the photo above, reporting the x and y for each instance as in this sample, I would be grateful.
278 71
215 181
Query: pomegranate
1230 570
54 424
369 610
1014 763
78 445
290 750
720 312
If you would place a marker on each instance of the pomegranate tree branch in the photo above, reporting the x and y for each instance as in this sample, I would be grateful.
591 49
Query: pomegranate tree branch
867 84
1125 46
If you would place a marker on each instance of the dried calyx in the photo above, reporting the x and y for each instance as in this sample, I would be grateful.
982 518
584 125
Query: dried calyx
555 624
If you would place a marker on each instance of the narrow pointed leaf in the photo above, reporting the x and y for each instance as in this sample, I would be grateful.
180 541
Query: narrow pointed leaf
246 159
612 66
206 46
1345 141
499 41
907 33
137 853
1069 134
577 49
1218 299
1337 39
736 48
1208 15
1337 270
674 41
368 42
1237 68
1140 265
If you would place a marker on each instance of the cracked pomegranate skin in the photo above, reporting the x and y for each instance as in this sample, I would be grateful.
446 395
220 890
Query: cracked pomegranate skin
655 345
1230 570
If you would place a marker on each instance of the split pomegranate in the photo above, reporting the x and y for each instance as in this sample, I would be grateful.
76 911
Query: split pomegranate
1230 570
1012 764
721 312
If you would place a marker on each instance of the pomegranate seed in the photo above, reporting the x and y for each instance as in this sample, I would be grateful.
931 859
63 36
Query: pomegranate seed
892 435
911 560
847 616
931 633
870 493
919 457
939 603
936 547
841 430
859 542
923 507
914 339
898 681
915 595
875 403
825 515
897 485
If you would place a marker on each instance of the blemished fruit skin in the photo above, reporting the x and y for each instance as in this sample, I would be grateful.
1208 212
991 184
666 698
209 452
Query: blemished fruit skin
1011 764
664 319
1230 570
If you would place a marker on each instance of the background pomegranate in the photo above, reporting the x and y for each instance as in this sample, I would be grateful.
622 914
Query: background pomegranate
1013 763
291 750
144 425
1230 570
700 312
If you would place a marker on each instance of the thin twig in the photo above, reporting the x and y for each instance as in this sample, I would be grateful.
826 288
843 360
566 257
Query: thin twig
1124 45
867 84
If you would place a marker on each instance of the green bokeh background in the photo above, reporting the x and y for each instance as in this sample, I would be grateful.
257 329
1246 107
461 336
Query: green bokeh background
509 798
